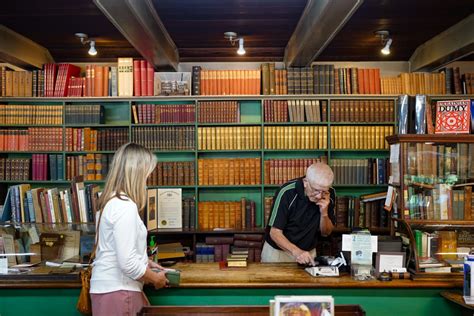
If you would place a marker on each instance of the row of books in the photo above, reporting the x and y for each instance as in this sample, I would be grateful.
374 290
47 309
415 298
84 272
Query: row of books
279 171
237 243
84 114
47 167
295 137
274 81
427 163
99 81
31 139
31 114
236 215
165 138
295 110
449 81
229 138
143 78
360 171
91 166
442 202
14 169
360 137
24 204
88 139
436 249
362 111
15 83
362 211
226 82
163 113
172 173
219 112
229 171
189 213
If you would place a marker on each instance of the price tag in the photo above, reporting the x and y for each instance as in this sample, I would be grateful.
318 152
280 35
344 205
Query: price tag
3 266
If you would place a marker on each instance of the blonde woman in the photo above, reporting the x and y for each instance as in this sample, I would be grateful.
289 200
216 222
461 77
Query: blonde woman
121 266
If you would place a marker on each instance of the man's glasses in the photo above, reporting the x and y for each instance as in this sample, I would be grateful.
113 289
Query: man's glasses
313 191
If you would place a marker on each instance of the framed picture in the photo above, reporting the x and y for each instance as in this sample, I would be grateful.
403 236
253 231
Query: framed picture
303 305
386 261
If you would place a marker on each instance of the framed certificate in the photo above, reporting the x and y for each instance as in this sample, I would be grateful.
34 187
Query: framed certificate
170 208
386 261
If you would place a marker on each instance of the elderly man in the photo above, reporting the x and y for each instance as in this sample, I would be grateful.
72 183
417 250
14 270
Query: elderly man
302 210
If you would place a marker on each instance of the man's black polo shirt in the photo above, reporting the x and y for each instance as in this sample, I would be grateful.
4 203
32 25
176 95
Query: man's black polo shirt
297 216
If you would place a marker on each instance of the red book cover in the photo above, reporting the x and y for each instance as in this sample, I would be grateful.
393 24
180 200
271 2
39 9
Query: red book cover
377 81
144 89
105 81
453 116
69 71
136 78
371 72
99 77
150 79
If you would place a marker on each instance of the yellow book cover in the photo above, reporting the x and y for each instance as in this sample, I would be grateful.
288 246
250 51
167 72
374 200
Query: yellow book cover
125 77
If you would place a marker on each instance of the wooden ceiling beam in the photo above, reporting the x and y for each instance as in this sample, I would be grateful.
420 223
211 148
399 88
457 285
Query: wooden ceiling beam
320 22
139 23
21 51
450 45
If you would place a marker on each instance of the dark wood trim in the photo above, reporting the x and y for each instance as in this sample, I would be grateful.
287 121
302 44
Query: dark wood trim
433 138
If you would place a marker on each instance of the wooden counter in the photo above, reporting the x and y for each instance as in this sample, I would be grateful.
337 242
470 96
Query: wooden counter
282 275
256 275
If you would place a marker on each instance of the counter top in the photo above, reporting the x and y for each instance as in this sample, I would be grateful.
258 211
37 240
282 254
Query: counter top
282 275
256 275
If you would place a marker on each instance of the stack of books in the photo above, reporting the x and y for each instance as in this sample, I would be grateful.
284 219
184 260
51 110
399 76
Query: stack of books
238 258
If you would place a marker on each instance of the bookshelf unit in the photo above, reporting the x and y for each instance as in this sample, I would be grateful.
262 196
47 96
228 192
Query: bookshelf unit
434 198
119 114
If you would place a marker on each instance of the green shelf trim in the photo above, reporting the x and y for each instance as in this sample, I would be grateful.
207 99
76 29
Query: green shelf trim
230 151
243 186
37 181
31 125
32 152
360 150
296 150
295 123
362 123
231 124
89 152
159 151
163 124
96 125
171 186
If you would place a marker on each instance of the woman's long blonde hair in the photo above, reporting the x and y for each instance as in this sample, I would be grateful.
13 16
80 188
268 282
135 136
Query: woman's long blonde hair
130 168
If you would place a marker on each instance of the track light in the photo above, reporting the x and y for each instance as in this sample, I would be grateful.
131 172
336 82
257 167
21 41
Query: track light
386 40
85 40
386 49
241 50
232 37
92 51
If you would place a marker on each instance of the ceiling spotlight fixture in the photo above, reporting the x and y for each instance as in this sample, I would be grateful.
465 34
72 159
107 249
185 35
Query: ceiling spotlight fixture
86 40
386 40
232 37
241 50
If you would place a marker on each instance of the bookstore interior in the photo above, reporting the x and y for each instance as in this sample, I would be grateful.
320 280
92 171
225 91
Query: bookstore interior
237 99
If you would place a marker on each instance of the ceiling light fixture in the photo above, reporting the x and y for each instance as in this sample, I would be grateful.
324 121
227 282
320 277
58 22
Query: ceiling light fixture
86 40
386 41
232 37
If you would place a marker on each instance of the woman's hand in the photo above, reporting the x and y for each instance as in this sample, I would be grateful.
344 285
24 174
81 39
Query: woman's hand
159 280
154 265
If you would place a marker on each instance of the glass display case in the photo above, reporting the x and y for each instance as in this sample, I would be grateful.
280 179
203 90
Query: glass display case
433 176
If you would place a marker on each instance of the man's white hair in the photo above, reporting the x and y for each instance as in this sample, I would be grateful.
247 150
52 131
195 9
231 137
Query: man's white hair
320 173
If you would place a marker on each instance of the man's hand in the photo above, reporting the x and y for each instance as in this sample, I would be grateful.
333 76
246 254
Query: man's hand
323 203
304 257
